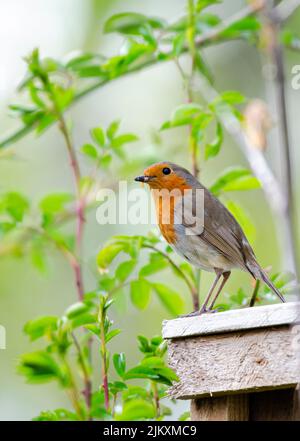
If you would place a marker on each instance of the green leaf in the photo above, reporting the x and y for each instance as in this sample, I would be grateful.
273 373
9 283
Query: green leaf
56 415
137 409
246 27
232 97
55 202
94 329
40 326
144 344
112 129
98 136
40 367
235 178
38 254
141 372
112 334
212 149
290 39
119 361
140 290
178 44
157 373
131 23
202 4
183 115
205 22
15 204
107 255
172 301
157 263
125 269
185 416
153 362
203 67
77 309
89 150
117 386
105 160
120 140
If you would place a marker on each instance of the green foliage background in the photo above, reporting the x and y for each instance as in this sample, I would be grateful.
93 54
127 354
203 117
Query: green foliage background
39 166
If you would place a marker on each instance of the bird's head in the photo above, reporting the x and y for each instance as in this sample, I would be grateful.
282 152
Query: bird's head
166 175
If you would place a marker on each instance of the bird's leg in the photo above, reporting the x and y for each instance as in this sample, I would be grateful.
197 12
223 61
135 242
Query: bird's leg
212 288
225 278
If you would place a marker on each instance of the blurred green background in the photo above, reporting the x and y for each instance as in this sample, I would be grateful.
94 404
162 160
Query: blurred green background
142 101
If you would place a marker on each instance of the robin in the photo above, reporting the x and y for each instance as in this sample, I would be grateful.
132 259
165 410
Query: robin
219 246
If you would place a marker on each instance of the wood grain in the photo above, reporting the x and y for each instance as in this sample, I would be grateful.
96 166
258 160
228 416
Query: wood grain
234 362
275 405
227 408
234 320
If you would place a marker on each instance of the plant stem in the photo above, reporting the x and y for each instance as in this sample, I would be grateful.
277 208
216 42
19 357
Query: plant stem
276 54
102 317
87 392
254 294
72 389
192 50
79 202
156 399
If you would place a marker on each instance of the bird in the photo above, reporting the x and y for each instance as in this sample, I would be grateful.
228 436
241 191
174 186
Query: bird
219 246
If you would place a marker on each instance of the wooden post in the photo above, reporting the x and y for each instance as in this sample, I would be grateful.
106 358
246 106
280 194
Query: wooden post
238 365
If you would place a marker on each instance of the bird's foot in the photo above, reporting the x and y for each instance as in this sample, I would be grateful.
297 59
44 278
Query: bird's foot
191 314
203 310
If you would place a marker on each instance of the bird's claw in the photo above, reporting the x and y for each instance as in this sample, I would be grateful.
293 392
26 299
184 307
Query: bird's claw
201 311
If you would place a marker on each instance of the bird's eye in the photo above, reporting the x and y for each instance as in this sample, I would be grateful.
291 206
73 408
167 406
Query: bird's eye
166 171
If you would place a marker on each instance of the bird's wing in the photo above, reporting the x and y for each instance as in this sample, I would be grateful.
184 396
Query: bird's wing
222 232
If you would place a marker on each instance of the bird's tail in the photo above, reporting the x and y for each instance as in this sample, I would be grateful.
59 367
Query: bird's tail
265 278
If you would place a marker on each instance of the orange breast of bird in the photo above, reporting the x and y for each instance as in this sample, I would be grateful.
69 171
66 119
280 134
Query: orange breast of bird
166 199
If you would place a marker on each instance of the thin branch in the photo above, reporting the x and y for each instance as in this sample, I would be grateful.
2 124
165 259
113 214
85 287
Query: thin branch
72 389
254 294
156 399
77 178
87 392
273 19
102 316
285 9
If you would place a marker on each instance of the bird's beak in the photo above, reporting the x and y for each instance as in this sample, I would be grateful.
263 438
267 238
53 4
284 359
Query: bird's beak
144 179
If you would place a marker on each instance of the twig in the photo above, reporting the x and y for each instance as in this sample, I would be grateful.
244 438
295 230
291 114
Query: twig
102 315
87 392
254 294
72 389
285 9
156 399
275 51
192 50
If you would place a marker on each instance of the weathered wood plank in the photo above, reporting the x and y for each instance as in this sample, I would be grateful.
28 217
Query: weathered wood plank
227 408
234 362
234 320
275 405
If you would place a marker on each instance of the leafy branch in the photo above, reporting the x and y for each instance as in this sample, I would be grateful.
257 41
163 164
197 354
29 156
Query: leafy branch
213 36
